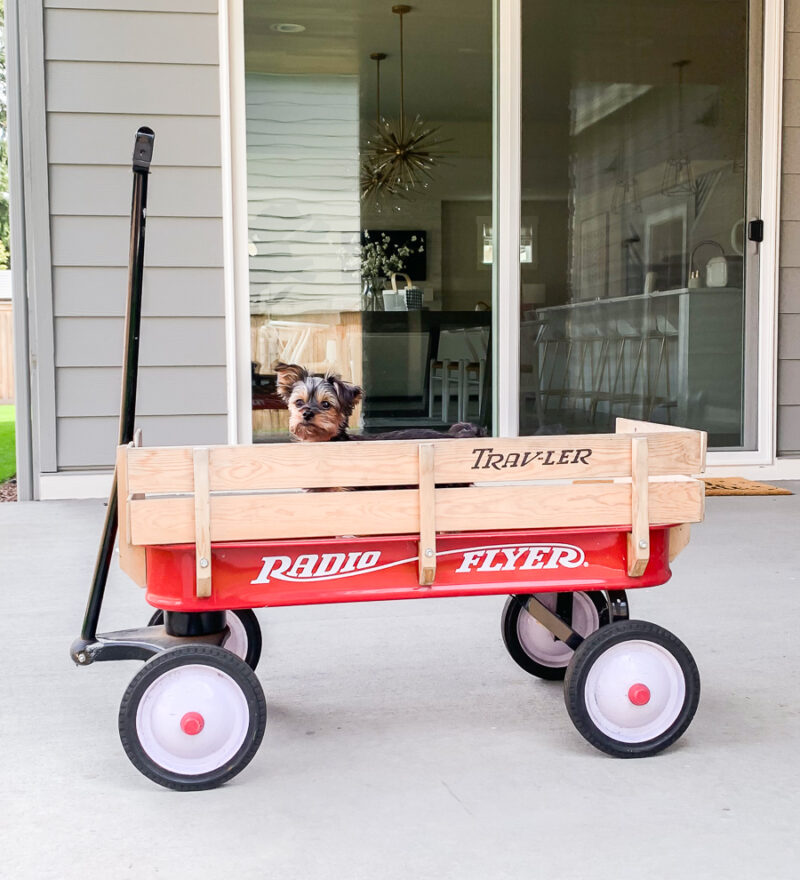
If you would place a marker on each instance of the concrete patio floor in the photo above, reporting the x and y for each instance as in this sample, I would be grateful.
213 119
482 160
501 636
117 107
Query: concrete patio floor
403 742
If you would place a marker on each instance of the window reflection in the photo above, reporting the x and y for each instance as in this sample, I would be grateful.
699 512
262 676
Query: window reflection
354 269
633 140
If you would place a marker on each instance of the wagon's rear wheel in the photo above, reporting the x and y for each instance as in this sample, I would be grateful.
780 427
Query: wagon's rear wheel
193 717
244 636
632 689
533 647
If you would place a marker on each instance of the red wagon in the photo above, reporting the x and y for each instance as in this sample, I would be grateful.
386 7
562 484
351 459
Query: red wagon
562 525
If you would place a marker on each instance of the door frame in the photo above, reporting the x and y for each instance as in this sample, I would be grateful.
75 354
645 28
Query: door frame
507 15
233 125
508 86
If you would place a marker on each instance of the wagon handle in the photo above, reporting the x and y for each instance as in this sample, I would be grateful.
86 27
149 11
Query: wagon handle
142 156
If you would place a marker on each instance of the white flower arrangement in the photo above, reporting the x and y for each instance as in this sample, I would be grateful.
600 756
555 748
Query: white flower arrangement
379 258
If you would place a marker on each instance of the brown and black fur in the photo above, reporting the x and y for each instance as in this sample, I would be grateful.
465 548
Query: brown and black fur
320 408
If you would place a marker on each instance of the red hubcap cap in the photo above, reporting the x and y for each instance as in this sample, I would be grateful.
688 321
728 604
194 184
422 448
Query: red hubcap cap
639 694
192 723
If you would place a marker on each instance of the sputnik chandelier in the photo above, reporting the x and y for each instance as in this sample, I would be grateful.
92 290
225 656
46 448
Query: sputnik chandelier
399 156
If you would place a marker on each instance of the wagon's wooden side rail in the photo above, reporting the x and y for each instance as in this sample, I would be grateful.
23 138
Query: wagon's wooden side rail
170 469
638 553
228 493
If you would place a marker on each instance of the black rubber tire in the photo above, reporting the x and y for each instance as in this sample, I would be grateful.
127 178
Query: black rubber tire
509 627
187 655
252 630
588 653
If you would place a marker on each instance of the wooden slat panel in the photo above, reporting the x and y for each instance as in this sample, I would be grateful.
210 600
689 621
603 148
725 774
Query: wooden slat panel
678 539
636 426
633 426
132 559
396 511
286 466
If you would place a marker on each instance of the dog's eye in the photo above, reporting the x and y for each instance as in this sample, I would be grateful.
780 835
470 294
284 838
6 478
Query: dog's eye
299 404
325 404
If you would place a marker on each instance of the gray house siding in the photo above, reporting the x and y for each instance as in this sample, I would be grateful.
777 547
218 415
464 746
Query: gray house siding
789 306
111 66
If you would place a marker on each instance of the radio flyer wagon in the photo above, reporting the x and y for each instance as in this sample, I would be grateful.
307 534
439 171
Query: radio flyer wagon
562 525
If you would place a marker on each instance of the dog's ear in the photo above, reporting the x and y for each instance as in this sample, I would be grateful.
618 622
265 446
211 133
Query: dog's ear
348 394
288 376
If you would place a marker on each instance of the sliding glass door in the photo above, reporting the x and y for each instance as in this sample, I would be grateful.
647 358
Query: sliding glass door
391 240
639 296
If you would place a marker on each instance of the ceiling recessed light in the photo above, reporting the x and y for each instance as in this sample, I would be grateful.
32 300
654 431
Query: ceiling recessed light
287 28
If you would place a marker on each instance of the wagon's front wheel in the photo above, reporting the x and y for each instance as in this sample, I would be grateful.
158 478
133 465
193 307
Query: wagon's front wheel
533 647
632 689
193 717
243 638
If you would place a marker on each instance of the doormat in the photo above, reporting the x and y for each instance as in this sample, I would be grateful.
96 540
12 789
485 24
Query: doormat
738 486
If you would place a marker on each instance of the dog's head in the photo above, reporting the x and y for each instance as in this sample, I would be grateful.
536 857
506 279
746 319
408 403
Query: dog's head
319 408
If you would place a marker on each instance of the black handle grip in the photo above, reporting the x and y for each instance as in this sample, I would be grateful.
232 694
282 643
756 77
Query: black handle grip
143 149
755 230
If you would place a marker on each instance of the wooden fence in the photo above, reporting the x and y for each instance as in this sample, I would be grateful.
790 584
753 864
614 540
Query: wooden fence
6 353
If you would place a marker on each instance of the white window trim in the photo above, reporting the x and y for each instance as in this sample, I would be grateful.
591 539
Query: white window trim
508 192
233 126
769 262
763 463
508 207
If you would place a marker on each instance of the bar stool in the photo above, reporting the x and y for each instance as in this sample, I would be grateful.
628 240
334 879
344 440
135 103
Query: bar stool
460 365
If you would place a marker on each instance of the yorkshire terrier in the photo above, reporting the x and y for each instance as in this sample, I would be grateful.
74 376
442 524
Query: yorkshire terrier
319 409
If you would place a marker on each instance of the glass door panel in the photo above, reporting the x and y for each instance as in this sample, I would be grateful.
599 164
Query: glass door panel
634 158
364 162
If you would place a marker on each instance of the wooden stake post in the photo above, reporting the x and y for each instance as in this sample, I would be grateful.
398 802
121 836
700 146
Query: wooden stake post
639 537
202 521
427 515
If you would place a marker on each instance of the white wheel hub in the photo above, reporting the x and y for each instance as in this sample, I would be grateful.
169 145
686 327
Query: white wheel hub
538 642
634 691
236 640
192 719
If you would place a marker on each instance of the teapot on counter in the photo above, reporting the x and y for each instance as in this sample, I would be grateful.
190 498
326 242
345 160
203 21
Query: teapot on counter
723 270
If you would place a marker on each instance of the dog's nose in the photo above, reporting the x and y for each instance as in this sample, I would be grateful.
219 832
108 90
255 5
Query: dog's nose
307 415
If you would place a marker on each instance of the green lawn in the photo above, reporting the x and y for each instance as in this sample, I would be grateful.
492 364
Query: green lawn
8 463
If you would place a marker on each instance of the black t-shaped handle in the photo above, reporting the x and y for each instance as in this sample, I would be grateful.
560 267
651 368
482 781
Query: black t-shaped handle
143 149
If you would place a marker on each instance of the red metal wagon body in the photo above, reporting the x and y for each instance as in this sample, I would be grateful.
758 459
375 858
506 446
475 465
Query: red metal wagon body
563 525
254 574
